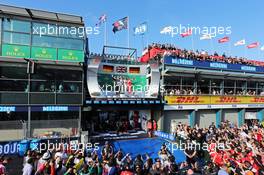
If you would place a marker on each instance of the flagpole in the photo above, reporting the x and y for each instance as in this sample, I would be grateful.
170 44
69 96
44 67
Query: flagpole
128 32
229 45
105 34
192 43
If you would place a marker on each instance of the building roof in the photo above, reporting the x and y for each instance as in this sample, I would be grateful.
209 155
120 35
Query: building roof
40 14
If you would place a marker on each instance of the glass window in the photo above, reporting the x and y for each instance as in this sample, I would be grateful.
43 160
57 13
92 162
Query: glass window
75 44
16 38
44 41
70 32
13 72
216 86
43 86
14 85
16 25
69 87
261 88
251 88
229 87
187 86
203 86
68 75
44 29
49 41
240 87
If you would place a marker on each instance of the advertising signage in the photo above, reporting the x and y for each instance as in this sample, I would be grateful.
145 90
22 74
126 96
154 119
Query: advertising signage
15 51
212 65
70 55
213 100
42 53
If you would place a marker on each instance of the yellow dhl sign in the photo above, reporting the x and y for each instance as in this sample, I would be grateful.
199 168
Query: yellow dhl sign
192 100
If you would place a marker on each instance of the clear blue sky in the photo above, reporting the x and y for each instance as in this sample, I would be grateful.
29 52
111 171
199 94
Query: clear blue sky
245 17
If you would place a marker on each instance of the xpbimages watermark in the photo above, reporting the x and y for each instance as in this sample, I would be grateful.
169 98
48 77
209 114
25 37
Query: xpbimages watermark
65 31
184 30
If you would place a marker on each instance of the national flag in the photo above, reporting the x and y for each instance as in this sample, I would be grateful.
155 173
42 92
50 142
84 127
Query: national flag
224 40
188 33
166 30
141 29
206 37
253 45
102 19
121 69
240 43
120 24
262 48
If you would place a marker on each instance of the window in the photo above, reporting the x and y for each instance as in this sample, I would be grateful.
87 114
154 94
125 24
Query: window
14 85
261 88
187 86
44 41
43 29
75 44
216 86
251 88
229 87
55 42
16 25
240 87
16 38
203 86
13 72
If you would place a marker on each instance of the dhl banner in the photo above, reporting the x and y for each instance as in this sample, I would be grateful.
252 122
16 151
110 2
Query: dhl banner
214 100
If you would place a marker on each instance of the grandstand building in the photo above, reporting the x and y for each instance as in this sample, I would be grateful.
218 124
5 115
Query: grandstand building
205 92
41 73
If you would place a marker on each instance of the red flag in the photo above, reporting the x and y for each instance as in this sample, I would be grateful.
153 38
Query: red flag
253 45
224 40
188 33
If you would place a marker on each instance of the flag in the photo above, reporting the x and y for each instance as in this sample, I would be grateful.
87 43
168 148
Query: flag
141 29
188 33
120 24
262 48
224 40
240 43
166 30
253 45
206 37
102 19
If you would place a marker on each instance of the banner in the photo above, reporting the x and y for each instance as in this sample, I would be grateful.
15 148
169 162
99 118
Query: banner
212 65
70 55
214 100
43 53
18 51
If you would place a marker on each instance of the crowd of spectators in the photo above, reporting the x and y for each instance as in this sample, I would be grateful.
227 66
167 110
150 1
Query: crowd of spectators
223 150
172 50
241 151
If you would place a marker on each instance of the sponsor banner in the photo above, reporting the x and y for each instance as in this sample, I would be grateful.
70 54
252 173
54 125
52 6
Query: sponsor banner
11 50
70 55
212 65
164 135
9 148
217 100
43 53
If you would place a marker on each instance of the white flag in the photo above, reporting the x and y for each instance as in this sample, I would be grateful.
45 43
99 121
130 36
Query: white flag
166 30
206 37
262 48
240 43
